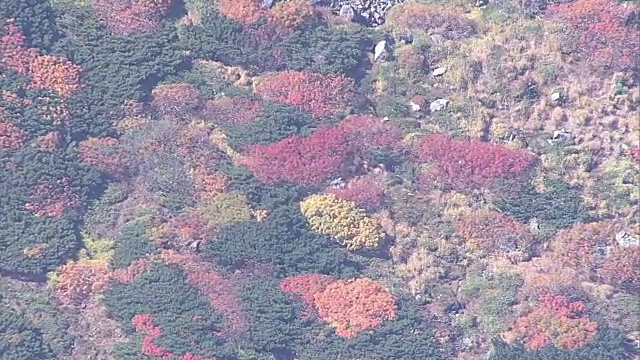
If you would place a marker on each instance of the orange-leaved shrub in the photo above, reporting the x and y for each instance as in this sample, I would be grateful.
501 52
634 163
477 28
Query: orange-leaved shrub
306 286
52 198
44 71
554 321
77 281
353 306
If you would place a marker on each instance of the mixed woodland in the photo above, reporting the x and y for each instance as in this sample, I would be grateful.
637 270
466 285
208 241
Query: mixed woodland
216 180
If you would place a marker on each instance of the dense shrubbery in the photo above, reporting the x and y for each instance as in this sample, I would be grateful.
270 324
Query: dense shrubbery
282 239
342 220
187 324
239 185
558 207
273 123
19 340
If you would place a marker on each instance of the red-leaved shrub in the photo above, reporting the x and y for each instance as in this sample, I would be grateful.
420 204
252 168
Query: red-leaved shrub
369 134
597 31
308 161
464 164
367 193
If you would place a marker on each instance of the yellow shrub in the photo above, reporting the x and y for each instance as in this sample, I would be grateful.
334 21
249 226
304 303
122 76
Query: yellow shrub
96 249
342 220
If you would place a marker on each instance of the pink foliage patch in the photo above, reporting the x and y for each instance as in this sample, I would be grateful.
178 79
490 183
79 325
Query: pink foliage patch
467 164
125 17
597 31
367 193
144 324
306 286
222 294
368 134
308 161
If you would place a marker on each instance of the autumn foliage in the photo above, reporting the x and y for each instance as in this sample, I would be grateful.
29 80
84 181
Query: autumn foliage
309 161
49 141
77 281
555 321
465 164
592 249
232 110
367 193
244 11
306 286
54 73
292 14
320 95
220 291
144 324
11 136
598 31
353 306
343 220
103 153
176 99
125 17
45 71
52 198
490 232
369 134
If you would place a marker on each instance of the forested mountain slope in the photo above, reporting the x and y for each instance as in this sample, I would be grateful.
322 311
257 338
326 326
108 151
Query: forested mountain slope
250 180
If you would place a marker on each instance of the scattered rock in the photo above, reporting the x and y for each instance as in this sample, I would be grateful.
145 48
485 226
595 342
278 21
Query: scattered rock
534 226
438 105
625 239
561 134
370 12
347 12
195 246
439 71
337 183
379 50
266 4
437 38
